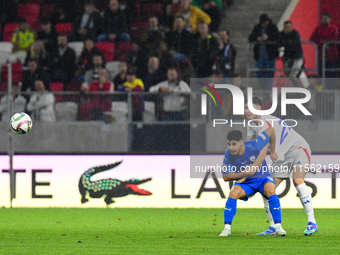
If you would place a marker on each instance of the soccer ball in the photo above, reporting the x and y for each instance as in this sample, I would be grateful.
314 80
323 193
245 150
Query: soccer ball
21 123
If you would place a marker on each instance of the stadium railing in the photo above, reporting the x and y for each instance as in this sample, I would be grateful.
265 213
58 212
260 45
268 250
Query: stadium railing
323 64
120 107
253 69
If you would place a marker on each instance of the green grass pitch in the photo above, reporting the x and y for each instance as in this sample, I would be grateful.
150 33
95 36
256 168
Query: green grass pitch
160 231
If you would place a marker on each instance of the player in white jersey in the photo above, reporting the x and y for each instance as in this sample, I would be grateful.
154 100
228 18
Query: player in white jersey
293 154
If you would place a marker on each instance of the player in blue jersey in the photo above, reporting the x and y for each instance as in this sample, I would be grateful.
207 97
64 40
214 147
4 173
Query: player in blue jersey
245 162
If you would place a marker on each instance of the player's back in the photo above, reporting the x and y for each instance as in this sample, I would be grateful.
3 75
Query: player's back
287 138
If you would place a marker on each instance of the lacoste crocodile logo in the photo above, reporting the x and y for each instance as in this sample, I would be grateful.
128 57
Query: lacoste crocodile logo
109 188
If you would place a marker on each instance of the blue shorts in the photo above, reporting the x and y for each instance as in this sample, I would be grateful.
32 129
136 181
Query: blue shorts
253 186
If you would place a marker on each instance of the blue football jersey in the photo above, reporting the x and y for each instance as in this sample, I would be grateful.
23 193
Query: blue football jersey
252 150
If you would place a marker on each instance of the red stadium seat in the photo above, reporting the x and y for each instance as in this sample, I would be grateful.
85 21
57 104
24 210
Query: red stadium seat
85 111
3 86
16 72
9 30
73 86
57 86
64 28
123 51
108 50
140 24
151 9
30 12
47 10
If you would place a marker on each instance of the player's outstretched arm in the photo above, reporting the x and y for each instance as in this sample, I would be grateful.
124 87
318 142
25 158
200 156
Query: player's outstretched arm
260 158
272 139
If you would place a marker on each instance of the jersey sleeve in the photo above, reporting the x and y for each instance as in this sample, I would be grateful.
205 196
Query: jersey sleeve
261 141
227 164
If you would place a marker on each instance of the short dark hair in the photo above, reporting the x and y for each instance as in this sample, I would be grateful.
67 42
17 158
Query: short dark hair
326 14
264 17
97 55
236 75
180 17
287 22
203 23
234 135
21 20
172 69
256 100
33 60
218 72
45 21
89 2
225 30
63 35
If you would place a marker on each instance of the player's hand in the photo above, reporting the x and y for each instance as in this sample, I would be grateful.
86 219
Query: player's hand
241 180
274 156
251 170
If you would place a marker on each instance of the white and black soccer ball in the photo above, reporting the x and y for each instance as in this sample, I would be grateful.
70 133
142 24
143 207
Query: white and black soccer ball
21 123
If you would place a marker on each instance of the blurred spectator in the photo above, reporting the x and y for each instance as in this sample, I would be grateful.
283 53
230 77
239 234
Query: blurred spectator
32 74
228 110
152 37
120 78
60 15
323 33
41 104
314 83
18 103
226 56
217 74
213 9
93 74
292 83
205 51
38 52
290 49
63 61
138 58
265 52
317 102
101 103
22 39
85 62
153 75
175 104
192 16
48 34
114 24
165 58
179 41
88 24
135 85
130 11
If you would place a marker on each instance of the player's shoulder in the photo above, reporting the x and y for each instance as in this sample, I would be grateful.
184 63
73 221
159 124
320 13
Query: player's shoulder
228 158
249 145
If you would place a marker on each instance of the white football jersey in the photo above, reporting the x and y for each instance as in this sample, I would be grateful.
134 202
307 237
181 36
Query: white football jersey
287 139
